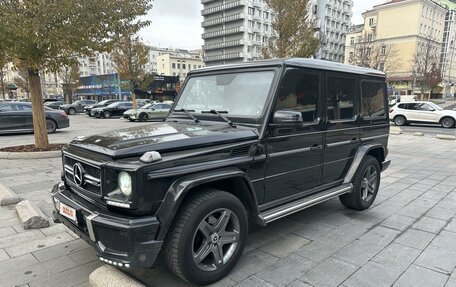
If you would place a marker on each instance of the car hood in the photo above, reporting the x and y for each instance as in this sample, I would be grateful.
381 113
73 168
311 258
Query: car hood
163 137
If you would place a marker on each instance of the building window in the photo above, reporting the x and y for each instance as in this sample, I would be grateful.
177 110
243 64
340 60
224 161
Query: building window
369 37
251 24
371 21
178 66
174 65
352 41
383 50
381 67
183 66
266 27
251 11
265 15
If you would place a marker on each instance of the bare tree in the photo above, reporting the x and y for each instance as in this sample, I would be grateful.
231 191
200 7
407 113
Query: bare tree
70 79
425 66
3 63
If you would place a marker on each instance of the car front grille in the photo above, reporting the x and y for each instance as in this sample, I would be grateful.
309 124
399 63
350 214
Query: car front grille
91 175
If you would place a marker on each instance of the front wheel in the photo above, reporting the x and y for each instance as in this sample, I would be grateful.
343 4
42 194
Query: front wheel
207 238
143 117
72 111
447 122
107 115
365 185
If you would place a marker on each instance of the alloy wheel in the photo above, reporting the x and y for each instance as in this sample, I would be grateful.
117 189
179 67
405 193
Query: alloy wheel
215 239
369 183
50 126
447 123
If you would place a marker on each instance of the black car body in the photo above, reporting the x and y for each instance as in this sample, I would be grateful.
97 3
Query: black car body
256 140
54 105
113 110
77 106
104 103
16 117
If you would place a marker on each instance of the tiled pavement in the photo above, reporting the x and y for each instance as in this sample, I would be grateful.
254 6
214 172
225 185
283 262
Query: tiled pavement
407 239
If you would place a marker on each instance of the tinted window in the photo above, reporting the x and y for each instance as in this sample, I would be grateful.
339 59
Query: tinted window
372 98
402 106
6 108
165 106
340 98
159 106
299 92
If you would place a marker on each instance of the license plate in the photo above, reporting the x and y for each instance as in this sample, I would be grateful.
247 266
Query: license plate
68 212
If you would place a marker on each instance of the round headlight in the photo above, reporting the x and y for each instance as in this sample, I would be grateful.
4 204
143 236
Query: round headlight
124 181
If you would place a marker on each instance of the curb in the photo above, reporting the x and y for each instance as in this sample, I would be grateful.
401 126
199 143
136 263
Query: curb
31 216
446 137
110 276
30 155
7 196
418 134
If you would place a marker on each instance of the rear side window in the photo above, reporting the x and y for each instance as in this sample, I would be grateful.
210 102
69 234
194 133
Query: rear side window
402 106
340 98
372 99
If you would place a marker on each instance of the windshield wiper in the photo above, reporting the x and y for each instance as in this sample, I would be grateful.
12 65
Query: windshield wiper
219 113
187 112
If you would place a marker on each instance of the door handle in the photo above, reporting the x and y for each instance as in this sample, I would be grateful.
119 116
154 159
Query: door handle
316 147
354 140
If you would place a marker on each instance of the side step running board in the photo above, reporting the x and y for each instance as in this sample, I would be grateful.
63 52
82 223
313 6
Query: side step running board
306 202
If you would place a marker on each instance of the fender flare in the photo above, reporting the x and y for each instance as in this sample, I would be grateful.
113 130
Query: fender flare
181 187
361 153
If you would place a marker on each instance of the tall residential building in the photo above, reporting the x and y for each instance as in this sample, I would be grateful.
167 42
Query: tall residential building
399 30
448 56
234 30
333 18
97 64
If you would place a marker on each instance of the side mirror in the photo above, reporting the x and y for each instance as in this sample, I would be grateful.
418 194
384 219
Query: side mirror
287 118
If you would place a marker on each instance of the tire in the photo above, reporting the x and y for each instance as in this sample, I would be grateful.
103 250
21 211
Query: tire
447 122
71 111
143 117
51 126
400 121
365 185
107 115
193 230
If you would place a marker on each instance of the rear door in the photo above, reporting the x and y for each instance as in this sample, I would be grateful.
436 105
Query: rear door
294 154
160 111
25 111
342 125
374 111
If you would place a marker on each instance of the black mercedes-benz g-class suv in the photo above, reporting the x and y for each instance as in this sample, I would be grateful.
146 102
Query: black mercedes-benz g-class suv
254 141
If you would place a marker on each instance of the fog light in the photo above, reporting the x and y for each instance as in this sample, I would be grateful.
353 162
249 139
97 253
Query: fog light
127 265
57 204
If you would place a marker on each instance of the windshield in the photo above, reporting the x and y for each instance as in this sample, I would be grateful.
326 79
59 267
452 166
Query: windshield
146 106
113 105
238 94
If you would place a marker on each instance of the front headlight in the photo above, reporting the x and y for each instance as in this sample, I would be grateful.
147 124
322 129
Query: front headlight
124 182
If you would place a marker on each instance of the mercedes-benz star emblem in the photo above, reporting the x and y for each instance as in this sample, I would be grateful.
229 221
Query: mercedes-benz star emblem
78 174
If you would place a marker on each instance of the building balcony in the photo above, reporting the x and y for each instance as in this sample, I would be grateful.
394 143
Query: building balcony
223 45
223 20
221 8
224 32
207 1
224 57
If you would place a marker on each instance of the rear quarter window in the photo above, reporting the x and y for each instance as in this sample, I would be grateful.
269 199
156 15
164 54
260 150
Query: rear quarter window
373 99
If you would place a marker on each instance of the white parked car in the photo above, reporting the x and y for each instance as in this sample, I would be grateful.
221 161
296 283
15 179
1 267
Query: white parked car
421 112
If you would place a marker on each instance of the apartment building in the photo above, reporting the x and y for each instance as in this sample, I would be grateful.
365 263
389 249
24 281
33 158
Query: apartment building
234 30
178 64
97 64
333 19
403 28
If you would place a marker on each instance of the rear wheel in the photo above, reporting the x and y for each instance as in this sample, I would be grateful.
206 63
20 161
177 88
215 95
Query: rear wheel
207 238
72 111
365 185
400 120
143 117
107 115
51 126
447 122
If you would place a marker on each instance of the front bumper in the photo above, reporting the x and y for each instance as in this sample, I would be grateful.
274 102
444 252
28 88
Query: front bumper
118 240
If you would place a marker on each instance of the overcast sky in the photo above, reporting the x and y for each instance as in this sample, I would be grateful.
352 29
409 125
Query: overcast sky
177 23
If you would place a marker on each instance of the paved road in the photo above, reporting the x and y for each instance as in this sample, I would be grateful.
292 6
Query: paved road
408 238
428 130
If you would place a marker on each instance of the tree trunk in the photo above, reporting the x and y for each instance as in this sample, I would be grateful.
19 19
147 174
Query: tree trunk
39 117
2 84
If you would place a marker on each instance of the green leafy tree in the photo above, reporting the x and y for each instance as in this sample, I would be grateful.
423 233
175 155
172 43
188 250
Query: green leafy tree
293 31
49 34
129 56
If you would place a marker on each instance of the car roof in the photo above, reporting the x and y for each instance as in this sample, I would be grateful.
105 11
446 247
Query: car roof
297 62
